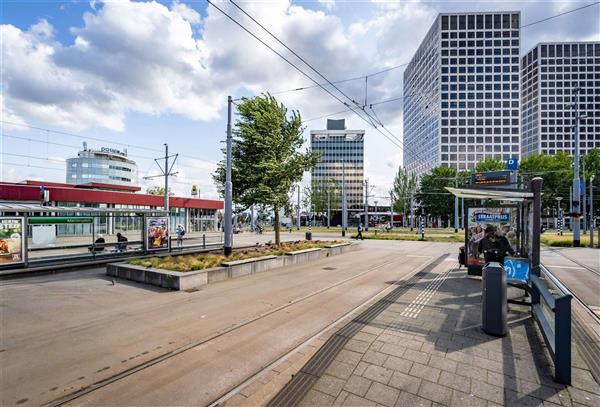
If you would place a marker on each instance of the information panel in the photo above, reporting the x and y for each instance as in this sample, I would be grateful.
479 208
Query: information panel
157 233
498 223
12 243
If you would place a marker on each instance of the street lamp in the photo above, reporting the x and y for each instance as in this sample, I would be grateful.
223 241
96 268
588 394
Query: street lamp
560 225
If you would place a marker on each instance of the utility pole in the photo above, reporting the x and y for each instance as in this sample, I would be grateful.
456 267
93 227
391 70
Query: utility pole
228 247
391 209
344 203
412 210
165 170
456 207
592 212
576 191
584 206
366 204
462 213
298 210
328 208
560 225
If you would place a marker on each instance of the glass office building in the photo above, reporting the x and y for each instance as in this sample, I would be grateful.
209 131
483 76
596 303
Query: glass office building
550 73
461 92
105 165
342 158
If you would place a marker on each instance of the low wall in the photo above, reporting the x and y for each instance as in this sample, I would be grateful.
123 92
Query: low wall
176 280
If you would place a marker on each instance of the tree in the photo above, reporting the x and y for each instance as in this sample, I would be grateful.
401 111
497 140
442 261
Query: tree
435 199
156 190
266 156
557 172
404 186
321 194
592 167
490 164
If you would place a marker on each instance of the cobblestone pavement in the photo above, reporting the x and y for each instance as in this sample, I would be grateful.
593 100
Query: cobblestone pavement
425 348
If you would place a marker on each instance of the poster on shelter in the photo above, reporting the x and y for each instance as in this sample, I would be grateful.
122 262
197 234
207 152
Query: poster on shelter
12 245
157 233
498 223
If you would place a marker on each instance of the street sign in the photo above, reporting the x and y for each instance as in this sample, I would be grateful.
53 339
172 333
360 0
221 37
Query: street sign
512 164
490 178
51 220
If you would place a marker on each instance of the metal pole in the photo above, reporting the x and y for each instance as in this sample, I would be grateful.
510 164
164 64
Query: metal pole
298 210
166 195
328 209
456 208
366 204
584 209
344 209
228 247
576 191
391 209
592 211
536 187
462 210
412 211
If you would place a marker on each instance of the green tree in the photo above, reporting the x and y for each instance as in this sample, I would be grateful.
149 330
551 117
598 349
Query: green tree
321 194
592 167
490 164
434 198
404 186
556 171
266 156
156 190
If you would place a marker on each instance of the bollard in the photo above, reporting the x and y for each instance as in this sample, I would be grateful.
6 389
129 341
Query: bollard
494 306
204 241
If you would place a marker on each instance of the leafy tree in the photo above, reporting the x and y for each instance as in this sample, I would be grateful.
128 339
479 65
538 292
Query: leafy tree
592 167
266 155
435 199
156 190
404 186
321 194
490 164
557 172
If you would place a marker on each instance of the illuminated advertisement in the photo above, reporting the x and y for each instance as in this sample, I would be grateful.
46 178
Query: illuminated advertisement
157 233
496 224
12 244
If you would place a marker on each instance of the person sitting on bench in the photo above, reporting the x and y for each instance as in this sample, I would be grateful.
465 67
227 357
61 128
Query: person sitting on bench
122 242
99 240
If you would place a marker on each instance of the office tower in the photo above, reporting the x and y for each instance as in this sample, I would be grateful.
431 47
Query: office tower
550 75
104 165
461 92
342 159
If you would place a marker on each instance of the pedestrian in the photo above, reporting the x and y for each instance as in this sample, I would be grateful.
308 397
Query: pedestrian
180 231
100 242
121 242
360 229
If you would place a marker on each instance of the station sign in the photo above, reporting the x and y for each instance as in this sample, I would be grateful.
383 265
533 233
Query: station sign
490 178
51 220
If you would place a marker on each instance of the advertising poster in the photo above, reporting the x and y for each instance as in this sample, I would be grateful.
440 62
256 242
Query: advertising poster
157 233
12 245
502 222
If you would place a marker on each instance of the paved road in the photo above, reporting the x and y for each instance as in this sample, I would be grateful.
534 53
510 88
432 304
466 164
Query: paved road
567 264
62 334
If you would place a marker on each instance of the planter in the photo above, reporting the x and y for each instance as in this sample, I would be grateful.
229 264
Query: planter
188 280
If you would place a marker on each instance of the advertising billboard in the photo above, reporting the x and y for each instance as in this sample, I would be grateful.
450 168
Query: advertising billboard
12 243
157 233
498 223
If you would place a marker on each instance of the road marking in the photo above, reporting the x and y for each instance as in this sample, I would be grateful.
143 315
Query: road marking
414 308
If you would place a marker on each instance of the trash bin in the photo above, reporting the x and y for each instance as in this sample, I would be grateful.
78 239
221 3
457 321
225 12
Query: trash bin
494 306
308 235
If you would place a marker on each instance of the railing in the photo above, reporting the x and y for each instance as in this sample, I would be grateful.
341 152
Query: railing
548 293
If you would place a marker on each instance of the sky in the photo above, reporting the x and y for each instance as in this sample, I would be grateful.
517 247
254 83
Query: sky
139 74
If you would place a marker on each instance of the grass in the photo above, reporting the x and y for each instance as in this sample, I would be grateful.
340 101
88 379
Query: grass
566 240
192 262
454 238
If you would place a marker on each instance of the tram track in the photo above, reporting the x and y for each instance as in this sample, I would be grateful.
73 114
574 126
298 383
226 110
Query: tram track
206 340
596 272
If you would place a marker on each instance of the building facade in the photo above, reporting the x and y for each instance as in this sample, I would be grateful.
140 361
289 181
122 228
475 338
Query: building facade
550 74
342 161
104 165
461 92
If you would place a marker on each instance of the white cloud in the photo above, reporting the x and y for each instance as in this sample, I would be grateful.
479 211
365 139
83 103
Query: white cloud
328 4
186 12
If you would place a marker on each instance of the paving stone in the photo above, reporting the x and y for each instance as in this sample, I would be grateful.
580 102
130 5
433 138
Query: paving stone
500 380
461 357
360 369
316 398
584 397
410 400
358 385
443 363
346 356
329 385
540 391
398 364
455 381
416 356
356 401
378 374
375 358
393 349
583 379
339 401
340 370
372 330
405 382
412 344
487 391
512 398
376 346
425 372
473 372
435 392
460 399
357 346
365 337
382 394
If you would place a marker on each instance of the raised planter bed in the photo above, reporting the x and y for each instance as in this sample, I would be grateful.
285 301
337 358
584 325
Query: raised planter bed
188 280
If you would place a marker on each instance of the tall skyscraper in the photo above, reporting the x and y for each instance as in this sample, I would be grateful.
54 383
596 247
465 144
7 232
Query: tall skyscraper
461 92
550 74
342 160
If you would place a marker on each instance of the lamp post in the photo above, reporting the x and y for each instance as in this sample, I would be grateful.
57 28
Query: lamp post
560 225
592 211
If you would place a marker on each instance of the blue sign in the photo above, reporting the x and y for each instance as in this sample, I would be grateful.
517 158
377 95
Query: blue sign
516 269
512 164
492 217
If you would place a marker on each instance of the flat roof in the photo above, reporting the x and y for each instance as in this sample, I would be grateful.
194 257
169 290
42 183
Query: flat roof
493 194
15 207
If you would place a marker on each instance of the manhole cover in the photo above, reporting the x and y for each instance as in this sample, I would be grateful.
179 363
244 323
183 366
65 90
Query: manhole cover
328 268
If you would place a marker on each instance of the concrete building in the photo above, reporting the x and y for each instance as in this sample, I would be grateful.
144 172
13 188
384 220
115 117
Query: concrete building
550 73
342 158
461 92
105 165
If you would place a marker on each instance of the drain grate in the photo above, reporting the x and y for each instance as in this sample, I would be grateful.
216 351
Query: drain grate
328 268
295 390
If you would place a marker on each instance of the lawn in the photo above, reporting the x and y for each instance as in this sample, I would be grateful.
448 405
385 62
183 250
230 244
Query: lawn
191 262
566 240
429 237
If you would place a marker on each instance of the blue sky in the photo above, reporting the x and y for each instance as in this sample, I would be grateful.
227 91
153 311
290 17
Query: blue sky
147 73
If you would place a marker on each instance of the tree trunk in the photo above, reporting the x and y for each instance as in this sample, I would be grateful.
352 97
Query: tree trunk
277 225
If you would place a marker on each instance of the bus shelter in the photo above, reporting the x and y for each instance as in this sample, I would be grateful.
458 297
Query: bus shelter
36 234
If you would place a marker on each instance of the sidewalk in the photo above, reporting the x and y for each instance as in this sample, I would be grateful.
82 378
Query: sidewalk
422 345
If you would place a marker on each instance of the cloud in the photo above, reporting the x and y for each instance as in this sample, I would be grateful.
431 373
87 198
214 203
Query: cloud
328 4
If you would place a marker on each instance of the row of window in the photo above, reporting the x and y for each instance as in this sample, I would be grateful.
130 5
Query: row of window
482 61
469 149
480 130
569 129
567 50
481 122
479 34
480 78
480 43
480 22
569 134
488 104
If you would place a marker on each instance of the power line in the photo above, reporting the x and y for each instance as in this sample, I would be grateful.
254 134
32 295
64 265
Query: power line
558 15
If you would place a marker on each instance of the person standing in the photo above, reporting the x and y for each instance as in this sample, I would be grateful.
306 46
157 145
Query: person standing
180 231
360 230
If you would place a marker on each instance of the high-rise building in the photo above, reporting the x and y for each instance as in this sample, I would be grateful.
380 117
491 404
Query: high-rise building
105 165
550 75
342 160
461 92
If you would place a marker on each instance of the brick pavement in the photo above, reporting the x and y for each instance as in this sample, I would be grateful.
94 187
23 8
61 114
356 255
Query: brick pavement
425 348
